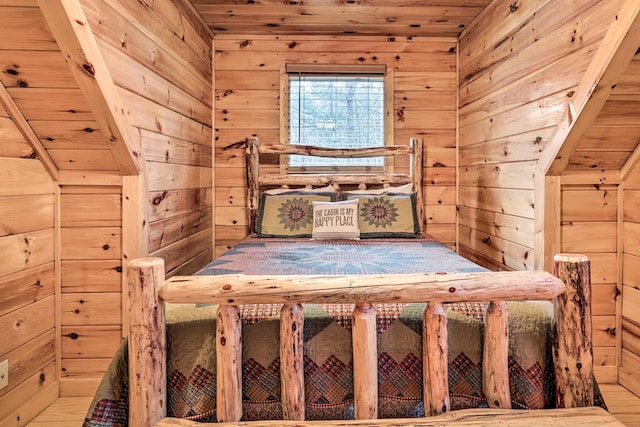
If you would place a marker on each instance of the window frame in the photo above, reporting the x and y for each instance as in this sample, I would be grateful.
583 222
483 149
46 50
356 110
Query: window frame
291 69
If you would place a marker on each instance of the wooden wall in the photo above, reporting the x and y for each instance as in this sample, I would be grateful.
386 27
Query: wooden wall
159 56
91 282
158 61
27 279
247 90
629 372
87 234
519 65
589 225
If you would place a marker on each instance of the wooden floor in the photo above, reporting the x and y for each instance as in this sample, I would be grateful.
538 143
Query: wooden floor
70 411
622 403
65 412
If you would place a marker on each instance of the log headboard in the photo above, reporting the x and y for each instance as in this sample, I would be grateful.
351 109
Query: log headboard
256 181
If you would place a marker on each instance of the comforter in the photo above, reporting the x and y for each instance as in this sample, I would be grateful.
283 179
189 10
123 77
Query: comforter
328 359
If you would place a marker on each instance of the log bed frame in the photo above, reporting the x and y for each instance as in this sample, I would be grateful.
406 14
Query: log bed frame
569 287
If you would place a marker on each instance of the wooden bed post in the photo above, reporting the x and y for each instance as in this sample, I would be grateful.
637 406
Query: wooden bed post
228 364
417 145
292 362
435 370
365 362
147 343
495 362
253 186
572 346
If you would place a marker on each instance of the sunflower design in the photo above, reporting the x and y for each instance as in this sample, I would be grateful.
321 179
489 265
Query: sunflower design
295 214
379 212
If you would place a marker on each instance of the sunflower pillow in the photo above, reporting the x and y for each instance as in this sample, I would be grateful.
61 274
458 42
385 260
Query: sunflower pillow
386 214
290 213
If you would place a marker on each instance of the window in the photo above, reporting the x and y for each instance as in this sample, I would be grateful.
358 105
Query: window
338 107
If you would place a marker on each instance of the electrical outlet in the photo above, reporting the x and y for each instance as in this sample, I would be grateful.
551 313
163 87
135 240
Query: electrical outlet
4 373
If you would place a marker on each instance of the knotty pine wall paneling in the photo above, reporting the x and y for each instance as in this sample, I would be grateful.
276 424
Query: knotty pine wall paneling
91 283
247 90
518 69
28 204
27 282
159 57
519 65
88 233
629 372
589 226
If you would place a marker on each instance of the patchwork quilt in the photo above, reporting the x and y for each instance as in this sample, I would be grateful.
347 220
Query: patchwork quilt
328 358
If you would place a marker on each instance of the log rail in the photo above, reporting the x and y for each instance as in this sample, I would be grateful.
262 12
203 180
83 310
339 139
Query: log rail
572 344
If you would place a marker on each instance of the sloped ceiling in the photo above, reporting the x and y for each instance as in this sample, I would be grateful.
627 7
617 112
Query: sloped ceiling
596 112
614 135
57 121
39 83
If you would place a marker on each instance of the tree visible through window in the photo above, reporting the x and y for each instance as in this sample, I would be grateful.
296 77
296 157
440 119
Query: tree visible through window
340 111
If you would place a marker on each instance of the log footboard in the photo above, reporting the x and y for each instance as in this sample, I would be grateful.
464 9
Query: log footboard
572 353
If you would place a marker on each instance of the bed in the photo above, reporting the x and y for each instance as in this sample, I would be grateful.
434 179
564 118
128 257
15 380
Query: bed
390 325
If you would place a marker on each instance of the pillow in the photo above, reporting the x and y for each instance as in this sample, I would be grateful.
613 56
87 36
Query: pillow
402 189
335 220
289 214
386 215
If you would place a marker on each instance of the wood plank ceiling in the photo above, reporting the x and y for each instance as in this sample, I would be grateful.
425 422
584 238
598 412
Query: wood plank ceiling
55 112
614 135
37 79
436 18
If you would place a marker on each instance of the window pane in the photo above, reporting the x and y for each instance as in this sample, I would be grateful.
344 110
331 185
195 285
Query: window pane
339 112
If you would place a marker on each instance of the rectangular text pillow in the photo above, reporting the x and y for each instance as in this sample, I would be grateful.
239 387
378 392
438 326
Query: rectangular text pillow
337 220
